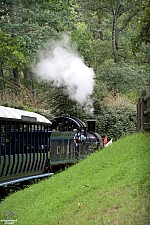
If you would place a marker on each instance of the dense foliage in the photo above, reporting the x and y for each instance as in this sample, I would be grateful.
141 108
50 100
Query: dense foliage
111 37
117 119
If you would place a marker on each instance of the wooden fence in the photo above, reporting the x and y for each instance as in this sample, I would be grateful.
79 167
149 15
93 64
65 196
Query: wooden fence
143 112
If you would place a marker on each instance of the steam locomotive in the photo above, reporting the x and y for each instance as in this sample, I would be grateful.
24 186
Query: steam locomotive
31 145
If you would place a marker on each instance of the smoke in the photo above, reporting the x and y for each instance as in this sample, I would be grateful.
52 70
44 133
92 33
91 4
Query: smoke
60 63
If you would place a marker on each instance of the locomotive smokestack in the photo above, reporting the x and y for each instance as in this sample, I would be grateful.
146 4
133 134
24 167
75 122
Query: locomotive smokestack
91 125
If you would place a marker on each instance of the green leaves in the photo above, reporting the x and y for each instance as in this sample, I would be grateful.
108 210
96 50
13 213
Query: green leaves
144 35
30 24
127 76
116 119
11 51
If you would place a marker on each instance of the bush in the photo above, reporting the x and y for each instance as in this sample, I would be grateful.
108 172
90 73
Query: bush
117 119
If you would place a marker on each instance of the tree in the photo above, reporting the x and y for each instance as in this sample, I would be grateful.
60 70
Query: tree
26 25
144 35
117 19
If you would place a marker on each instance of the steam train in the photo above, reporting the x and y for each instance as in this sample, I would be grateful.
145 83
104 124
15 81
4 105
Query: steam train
31 145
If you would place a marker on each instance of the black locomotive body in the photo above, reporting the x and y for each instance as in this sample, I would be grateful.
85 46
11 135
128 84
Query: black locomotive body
30 144
63 150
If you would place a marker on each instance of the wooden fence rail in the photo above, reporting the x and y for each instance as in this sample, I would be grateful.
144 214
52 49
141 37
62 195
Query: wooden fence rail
143 112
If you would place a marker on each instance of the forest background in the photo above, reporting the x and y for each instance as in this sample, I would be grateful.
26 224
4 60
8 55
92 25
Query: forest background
84 59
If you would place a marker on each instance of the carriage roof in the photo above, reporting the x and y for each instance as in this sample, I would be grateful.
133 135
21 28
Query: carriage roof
17 114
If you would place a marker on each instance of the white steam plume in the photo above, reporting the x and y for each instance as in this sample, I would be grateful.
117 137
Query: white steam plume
62 65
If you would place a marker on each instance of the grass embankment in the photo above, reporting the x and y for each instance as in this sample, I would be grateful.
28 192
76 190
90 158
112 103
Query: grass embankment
111 186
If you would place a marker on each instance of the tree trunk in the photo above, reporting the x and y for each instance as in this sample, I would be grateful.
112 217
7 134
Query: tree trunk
1 72
25 73
2 86
27 78
100 32
115 32
16 75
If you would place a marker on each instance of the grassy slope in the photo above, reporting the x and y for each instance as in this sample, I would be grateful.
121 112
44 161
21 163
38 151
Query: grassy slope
109 187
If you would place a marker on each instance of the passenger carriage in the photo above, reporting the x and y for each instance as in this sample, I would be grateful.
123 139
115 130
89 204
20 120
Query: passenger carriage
24 145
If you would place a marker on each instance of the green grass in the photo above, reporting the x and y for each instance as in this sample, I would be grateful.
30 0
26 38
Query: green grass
111 186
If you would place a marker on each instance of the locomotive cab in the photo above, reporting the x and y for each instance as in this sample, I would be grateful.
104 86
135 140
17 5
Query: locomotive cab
62 140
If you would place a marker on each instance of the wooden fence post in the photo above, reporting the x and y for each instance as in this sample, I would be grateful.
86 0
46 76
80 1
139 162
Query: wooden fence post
139 115
143 116
143 112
